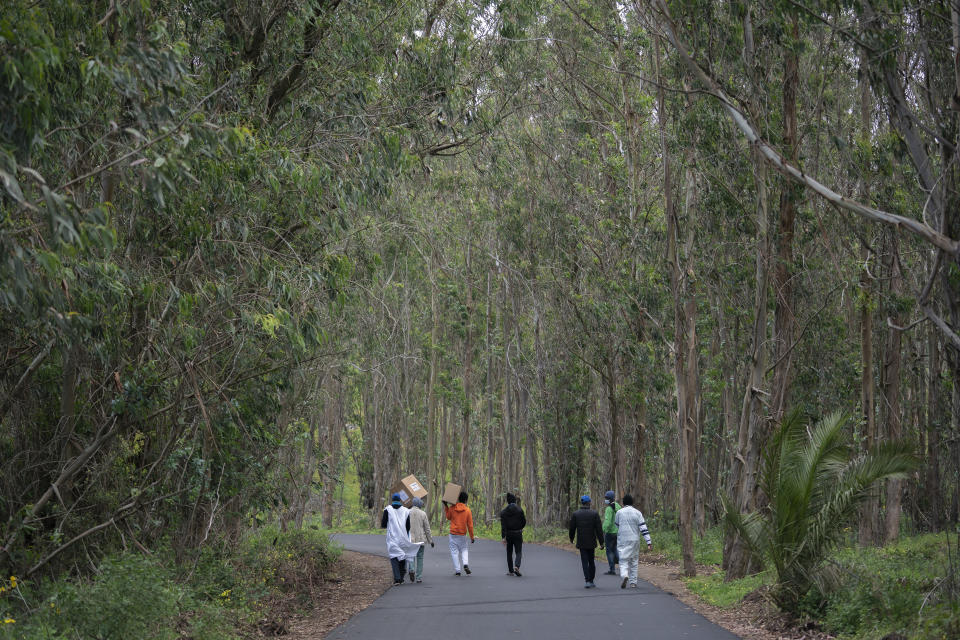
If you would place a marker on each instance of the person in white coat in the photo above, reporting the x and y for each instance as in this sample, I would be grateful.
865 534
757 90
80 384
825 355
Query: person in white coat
396 520
631 526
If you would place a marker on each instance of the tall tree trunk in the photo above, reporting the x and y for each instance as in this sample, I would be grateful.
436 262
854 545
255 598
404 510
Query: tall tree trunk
891 384
433 478
610 380
790 195
753 424
870 511
752 429
333 419
684 309
490 392
935 423
638 484
466 462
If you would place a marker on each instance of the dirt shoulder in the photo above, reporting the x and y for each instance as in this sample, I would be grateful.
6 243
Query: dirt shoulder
357 580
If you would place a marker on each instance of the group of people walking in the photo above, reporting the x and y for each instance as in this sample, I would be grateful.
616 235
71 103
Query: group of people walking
620 531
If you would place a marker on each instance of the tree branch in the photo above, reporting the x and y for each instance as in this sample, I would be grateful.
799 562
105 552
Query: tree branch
776 159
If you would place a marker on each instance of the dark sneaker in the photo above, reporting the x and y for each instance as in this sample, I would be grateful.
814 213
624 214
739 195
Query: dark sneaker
457 573
609 573
466 570
516 572
412 576
623 584
419 580
397 582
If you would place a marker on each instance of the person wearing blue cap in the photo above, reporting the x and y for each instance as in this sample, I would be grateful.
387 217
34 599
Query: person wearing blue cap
585 525
610 531
396 520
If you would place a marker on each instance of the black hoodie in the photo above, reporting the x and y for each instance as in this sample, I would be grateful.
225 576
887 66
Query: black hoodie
512 520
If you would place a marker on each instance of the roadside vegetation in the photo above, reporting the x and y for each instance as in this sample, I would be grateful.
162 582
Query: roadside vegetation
226 591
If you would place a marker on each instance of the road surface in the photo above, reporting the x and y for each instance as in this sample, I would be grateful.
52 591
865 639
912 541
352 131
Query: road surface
547 603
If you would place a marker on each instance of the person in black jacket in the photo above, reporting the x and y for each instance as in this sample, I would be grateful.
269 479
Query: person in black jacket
585 524
512 522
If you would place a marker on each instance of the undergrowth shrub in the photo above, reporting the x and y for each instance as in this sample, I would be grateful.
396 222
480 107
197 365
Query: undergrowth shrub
889 589
131 597
292 561
218 596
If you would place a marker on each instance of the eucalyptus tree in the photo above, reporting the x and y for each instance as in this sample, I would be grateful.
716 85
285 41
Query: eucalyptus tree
179 194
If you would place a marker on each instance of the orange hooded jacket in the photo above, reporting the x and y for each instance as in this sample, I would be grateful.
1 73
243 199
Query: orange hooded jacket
461 519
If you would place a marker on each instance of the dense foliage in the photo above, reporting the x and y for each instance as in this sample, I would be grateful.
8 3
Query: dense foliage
544 246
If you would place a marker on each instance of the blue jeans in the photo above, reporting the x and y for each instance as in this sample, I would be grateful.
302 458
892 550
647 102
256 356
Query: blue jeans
416 564
398 566
610 542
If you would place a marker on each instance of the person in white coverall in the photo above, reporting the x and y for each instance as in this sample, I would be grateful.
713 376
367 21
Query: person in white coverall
631 526
396 520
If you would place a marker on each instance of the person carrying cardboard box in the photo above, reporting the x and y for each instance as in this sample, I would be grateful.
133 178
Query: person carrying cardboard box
461 523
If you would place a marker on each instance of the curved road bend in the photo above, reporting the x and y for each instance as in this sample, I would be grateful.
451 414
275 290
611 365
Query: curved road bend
547 603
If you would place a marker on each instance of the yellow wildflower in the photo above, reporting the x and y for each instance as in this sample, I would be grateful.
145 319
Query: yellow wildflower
9 621
226 594
13 582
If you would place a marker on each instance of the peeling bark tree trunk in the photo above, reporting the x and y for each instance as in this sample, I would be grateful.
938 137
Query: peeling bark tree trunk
433 505
935 423
891 385
870 511
753 424
784 319
466 464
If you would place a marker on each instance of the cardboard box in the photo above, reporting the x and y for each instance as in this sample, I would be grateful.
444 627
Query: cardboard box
451 492
409 488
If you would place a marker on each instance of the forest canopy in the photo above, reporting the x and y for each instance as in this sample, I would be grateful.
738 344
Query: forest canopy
550 247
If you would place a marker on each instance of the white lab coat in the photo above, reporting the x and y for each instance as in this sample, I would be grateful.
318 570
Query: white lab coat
398 540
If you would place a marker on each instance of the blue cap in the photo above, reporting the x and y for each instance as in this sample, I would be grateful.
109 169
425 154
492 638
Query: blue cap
584 499
609 495
395 497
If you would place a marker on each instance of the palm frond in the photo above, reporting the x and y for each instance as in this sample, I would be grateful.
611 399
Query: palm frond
814 488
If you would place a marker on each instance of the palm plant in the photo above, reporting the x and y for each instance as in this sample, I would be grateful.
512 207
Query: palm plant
813 485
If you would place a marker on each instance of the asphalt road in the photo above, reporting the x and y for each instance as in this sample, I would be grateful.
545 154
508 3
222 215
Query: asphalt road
547 603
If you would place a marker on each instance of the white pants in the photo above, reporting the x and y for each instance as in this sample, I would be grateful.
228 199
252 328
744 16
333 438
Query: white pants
458 551
629 557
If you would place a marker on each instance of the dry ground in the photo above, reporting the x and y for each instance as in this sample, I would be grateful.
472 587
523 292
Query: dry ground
357 580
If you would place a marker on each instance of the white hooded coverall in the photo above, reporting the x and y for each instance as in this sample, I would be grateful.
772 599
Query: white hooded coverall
631 526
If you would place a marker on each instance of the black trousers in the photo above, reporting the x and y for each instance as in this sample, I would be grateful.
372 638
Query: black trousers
589 564
514 543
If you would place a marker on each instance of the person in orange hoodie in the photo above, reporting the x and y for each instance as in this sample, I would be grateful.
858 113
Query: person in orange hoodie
461 522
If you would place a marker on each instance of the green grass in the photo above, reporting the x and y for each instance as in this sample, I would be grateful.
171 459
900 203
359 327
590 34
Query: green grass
713 590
